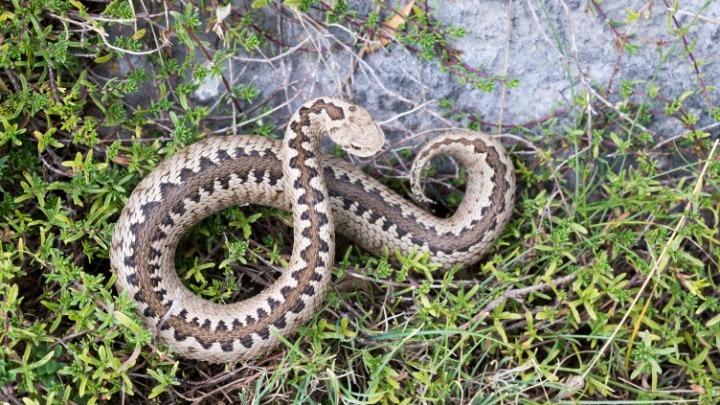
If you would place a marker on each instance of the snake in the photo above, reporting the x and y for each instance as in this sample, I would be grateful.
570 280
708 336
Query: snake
325 194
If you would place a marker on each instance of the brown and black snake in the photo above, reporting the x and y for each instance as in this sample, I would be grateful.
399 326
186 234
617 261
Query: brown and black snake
324 193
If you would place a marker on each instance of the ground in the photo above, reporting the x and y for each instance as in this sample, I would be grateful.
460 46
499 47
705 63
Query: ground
601 289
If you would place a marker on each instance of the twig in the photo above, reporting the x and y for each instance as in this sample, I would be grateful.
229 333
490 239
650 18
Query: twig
358 274
10 75
696 16
516 294
209 57
289 52
617 111
622 38
259 117
690 54
53 84
408 112
103 35
683 134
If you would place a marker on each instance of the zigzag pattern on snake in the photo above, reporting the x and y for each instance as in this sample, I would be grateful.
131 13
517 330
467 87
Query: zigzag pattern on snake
324 193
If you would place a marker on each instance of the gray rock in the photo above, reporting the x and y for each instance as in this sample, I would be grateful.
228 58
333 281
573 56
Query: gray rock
557 50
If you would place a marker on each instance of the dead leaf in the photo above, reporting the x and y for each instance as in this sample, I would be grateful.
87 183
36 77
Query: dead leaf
221 13
616 221
165 37
122 160
389 27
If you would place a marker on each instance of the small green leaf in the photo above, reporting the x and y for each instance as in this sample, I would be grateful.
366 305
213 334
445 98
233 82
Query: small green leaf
77 4
127 322
579 228
11 295
260 3
42 361
713 321
293 3
139 34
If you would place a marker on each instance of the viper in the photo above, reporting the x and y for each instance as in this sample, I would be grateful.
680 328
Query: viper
324 193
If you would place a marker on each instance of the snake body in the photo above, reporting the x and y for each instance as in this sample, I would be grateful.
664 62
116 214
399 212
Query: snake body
324 194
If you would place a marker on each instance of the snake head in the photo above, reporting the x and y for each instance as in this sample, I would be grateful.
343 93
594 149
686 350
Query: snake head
357 133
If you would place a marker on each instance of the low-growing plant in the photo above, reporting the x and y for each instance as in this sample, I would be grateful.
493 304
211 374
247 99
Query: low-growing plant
602 289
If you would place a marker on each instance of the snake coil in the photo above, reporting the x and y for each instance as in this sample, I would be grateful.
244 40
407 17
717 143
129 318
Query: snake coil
324 194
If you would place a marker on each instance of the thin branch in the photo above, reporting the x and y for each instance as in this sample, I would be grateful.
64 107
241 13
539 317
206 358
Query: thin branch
104 36
690 54
210 59
515 294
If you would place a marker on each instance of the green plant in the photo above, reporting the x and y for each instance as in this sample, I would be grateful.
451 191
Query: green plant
602 287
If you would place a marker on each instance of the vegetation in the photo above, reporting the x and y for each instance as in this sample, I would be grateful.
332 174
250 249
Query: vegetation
603 288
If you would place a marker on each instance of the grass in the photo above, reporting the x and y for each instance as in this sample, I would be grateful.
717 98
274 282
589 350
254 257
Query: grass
602 289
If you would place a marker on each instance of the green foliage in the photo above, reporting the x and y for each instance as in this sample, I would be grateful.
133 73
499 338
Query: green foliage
603 206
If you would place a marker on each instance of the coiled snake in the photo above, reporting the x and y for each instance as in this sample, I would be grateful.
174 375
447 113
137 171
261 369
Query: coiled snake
320 190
